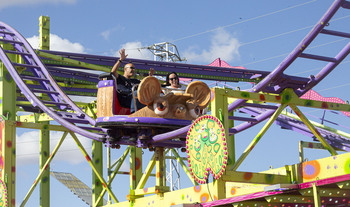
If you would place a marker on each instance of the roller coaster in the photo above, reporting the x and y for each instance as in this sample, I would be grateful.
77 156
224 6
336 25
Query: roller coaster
41 82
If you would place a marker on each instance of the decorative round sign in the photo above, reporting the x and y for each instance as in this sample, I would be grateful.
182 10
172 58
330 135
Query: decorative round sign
3 194
206 148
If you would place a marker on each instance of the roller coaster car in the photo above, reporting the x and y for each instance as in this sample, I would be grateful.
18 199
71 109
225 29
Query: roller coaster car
162 113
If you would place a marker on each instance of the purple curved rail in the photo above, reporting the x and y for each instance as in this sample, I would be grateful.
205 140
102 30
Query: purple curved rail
47 83
278 71
326 70
298 52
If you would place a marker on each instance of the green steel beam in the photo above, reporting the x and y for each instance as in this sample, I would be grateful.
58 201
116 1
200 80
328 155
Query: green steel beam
28 125
100 177
34 118
8 127
64 79
114 173
135 170
219 109
44 32
72 62
43 170
258 137
147 173
317 198
255 178
44 44
287 97
44 156
313 130
97 159
330 129
160 169
64 62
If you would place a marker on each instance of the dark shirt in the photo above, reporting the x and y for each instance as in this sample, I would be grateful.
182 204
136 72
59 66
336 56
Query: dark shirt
124 92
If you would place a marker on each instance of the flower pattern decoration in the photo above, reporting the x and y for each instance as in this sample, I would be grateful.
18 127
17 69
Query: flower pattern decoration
206 148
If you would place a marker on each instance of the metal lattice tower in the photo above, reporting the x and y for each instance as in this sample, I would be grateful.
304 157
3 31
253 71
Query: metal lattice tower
166 52
173 173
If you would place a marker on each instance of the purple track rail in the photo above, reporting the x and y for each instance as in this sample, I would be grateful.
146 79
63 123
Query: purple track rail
47 85
298 53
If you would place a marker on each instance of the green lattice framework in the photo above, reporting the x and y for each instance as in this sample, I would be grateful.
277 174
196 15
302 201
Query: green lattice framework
138 179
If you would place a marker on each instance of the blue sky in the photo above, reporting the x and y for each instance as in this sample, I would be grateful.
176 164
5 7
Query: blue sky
254 34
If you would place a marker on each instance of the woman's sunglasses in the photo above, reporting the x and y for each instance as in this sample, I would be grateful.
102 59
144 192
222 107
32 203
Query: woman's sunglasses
172 78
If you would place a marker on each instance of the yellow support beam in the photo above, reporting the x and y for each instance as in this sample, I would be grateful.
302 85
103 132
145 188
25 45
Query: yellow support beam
147 173
258 137
42 171
152 190
28 125
159 154
257 178
88 158
34 118
317 199
114 173
287 97
313 130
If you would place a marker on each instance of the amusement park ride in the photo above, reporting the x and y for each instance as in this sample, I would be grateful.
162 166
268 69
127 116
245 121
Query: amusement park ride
36 82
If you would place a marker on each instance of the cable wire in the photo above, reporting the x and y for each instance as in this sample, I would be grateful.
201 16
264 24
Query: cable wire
282 55
251 19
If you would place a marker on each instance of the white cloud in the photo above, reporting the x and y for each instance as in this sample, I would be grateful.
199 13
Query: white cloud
125 167
133 50
27 148
84 99
223 45
7 3
59 44
107 33
34 41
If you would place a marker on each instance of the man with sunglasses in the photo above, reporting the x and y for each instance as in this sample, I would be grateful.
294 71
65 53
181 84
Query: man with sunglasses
125 82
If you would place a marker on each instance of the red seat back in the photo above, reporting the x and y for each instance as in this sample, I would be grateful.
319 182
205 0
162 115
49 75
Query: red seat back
118 110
